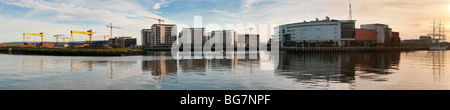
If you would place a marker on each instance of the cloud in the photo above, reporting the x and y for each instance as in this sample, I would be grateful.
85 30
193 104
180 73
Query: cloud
157 6
161 3
14 28
411 18
85 14
248 3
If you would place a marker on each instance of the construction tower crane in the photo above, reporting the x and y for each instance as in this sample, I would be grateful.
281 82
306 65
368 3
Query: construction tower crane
89 32
159 20
111 27
33 34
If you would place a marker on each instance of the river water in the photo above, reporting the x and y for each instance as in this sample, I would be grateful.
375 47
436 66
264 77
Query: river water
417 70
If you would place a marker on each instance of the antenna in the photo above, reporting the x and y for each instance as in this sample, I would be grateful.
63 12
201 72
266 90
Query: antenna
350 12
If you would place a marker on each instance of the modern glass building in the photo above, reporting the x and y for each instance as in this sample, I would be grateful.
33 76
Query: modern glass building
318 32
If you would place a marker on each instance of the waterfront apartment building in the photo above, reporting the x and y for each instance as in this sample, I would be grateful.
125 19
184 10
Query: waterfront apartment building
195 35
365 35
395 38
146 35
339 32
248 40
228 37
160 36
384 33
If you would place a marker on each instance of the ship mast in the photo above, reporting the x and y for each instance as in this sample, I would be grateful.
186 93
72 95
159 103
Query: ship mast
439 35
434 28
443 32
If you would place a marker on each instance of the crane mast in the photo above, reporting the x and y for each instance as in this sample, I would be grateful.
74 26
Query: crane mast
157 19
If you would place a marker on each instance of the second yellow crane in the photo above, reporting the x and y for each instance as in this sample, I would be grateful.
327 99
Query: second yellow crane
89 32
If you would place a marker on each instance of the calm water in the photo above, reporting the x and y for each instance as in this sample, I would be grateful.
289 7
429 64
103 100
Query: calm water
158 71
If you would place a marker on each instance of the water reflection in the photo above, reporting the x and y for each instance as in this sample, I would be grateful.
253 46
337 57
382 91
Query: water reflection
158 70
340 67
438 64
82 65
33 65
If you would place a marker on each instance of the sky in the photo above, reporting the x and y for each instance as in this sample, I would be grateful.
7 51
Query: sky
411 18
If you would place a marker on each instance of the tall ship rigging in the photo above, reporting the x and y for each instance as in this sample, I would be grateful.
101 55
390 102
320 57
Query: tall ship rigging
435 44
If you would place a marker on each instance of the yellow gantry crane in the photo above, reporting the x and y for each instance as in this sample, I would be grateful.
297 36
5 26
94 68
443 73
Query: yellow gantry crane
89 32
159 20
33 34
58 36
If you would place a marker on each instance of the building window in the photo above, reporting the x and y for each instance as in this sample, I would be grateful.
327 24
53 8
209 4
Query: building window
287 37
318 29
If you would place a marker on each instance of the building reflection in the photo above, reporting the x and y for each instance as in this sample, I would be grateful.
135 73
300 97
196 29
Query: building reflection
82 65
225 64
340 67
76 65
160 68
252 62
305 67
379 63
33 65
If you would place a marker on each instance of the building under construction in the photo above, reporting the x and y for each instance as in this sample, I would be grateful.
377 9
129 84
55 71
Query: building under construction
160 35
122 42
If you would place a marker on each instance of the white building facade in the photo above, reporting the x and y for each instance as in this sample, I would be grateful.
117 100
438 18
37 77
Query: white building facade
384 33
338 32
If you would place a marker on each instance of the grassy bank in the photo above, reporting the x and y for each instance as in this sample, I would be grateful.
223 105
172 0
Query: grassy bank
74 52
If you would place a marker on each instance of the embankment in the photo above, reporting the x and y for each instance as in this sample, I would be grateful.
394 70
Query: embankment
346 49
72 52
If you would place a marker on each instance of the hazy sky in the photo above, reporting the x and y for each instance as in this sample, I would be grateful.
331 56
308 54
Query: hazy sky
411 18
